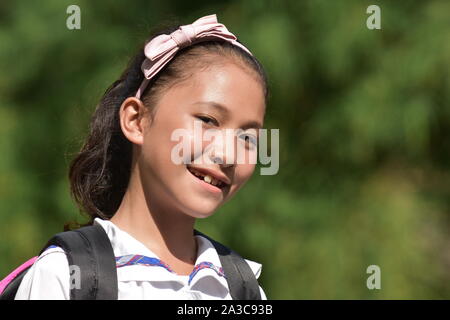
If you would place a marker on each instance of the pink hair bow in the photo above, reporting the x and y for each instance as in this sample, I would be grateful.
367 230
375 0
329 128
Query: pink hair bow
161 49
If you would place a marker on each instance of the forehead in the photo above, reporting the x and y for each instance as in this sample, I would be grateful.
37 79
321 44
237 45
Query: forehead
229 85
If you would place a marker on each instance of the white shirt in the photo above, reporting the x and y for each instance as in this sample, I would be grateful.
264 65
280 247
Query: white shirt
49 277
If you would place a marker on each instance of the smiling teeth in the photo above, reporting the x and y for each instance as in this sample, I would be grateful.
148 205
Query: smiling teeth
211 180
208 179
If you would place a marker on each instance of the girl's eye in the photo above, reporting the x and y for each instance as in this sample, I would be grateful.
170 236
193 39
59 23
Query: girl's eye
250 140
208 120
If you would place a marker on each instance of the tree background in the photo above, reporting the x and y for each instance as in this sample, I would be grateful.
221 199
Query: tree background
364 123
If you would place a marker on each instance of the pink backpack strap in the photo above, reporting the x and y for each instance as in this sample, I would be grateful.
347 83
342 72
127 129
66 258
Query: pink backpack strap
4 283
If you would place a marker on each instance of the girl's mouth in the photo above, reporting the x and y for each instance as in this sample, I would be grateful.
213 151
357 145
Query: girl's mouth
210 183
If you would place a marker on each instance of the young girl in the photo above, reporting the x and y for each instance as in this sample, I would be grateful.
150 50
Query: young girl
125 177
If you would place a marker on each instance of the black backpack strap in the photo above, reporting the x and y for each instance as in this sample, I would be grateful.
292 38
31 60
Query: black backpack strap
89 248
241 280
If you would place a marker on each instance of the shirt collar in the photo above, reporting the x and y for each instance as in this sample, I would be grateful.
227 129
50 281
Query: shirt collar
124 244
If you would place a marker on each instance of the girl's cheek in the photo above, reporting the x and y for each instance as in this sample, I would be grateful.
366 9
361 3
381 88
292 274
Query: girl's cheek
249 171
243 173
183 139
197 146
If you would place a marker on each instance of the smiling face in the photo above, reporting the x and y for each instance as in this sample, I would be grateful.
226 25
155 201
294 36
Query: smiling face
222 97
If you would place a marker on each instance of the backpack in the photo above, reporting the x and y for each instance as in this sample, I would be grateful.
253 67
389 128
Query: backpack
90 249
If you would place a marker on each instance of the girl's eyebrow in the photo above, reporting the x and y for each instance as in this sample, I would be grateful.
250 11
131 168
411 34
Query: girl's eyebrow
224 111
220 107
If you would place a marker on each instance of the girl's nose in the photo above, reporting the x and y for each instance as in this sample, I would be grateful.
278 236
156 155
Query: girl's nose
222 151
221 161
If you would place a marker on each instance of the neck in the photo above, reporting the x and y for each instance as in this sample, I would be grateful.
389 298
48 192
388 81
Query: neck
164 230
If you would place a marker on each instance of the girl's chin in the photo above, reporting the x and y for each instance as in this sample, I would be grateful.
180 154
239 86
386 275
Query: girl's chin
198 208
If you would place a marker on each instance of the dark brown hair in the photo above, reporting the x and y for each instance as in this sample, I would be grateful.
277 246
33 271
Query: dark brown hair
100 172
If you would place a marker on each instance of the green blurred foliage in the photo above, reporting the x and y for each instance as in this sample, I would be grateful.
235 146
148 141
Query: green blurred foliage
364 123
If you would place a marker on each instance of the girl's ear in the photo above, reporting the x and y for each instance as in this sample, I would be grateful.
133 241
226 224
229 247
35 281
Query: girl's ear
132 119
